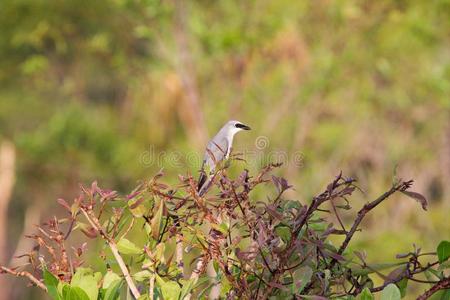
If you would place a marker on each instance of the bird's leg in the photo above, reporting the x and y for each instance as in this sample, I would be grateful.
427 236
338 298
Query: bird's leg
238 156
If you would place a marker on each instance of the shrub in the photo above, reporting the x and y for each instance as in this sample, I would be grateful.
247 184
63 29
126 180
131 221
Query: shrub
159 240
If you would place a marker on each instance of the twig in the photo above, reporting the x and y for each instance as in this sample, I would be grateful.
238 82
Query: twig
24 274
368 207
179 252
112 244
151 288
337 216
442 284
199 268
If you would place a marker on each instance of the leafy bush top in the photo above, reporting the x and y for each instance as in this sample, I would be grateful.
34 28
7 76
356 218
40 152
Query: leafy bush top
159 240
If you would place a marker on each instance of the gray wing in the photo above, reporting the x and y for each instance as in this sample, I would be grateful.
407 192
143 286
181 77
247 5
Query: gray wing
216 151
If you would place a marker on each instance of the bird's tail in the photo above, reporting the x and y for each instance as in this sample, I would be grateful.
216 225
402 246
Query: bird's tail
204 182
201 180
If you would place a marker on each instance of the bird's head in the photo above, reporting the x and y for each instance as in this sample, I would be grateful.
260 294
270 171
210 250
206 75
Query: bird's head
236 126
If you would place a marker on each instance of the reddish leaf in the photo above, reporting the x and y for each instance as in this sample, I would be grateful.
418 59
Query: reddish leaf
90 232
63 203
271 209
132 195
137 203
335 256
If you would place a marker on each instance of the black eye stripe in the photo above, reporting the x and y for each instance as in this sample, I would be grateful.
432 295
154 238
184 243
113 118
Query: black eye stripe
239 125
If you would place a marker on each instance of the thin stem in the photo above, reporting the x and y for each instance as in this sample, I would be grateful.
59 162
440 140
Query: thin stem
179 252
112 244
151 288
202 262
368 207
24 274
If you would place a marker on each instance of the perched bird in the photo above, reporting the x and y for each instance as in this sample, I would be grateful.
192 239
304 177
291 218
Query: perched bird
217 150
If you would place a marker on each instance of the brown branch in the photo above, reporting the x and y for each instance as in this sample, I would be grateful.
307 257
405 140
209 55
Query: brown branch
28 275
407 274
337 216
441 285
367 208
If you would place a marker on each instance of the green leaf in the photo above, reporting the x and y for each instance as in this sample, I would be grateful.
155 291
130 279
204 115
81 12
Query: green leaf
74 293
444 266
61 286
365 295
441 295
187 288
129 248
222 227
391 292
156 221
301 278
137 207
142 275
320 226
159 253
51 282
443 251
283 232
109 278
170 289
148 228
402 285
87 281
113 290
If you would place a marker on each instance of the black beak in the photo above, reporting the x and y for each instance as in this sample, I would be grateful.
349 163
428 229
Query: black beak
242 126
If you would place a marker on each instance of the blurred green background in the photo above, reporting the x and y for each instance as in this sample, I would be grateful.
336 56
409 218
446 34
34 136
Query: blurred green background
114 90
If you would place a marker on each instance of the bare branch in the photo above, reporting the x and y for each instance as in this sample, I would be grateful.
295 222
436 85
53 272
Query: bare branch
25 274
367 208
441 285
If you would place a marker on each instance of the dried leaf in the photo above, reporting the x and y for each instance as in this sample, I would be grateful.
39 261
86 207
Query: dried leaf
394 274
418 197
361 255
89 232
272 210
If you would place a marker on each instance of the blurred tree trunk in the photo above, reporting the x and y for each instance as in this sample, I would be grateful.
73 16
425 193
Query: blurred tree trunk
7 178
189 110
445 160
24 245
